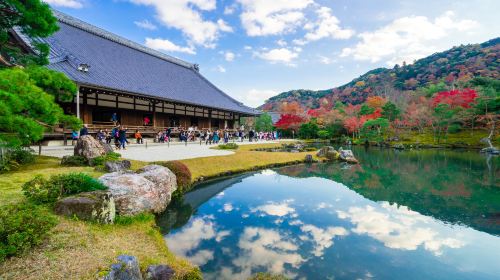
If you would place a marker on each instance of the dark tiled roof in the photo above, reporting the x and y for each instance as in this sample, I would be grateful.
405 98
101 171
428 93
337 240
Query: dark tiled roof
120 64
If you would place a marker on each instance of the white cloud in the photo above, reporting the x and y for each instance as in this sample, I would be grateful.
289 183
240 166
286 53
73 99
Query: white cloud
229 10
166 45
189 238
326 26
322 238
409 38
221 69
275 209
186 15
281 55
145 24
325 60
228 207
247 48
75 4
266 248
229 56
398 228
281 43
264 17
255 98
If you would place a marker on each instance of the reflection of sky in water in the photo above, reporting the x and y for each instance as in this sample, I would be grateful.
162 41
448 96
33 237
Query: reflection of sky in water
319 229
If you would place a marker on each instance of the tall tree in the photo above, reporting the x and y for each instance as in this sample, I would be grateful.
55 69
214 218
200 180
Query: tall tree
35 19
264 123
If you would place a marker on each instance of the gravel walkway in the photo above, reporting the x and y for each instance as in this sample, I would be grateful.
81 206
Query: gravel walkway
155 151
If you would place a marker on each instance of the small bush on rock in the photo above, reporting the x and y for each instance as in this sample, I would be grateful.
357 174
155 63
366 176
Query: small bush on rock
74 161
99 161
228 146
41 190
21 227
182 173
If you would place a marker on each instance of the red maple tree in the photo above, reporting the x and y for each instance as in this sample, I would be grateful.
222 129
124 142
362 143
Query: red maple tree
455 98
289 121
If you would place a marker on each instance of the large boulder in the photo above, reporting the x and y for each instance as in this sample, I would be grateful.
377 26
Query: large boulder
127 268
89 148
149 190
107 148
117 165
332 155
98 206
159 272
324 150
347 156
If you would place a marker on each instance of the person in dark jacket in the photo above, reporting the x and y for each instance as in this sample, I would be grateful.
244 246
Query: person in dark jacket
122 137
84 131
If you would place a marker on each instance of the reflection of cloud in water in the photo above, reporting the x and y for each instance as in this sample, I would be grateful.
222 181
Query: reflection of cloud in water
266 248
398 228
221 234
228 207
268 172
322 238
275 209
190 237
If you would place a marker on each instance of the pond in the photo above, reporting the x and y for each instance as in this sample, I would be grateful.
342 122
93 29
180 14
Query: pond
426 214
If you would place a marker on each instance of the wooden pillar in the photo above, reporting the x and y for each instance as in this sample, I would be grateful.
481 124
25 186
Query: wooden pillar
78 101
209 119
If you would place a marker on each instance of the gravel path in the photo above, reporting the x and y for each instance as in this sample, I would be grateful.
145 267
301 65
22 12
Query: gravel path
155 151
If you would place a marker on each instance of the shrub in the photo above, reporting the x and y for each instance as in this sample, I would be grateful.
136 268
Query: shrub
11 159
74 161
21 227
182 173
41 190
99 161
228 146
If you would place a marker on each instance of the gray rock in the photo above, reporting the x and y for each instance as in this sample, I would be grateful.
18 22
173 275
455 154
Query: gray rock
150 190
332 155
98 206
118 165
159 272
309 158
347 156
324 150
107 148
89 148
127 268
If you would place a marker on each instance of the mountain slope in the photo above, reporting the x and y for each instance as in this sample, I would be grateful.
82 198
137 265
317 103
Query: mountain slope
454 66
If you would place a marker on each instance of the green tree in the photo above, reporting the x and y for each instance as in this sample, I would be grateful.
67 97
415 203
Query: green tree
366 110
390 111
26 110
445 117
35 19
374 130
487 105
264 123
309 130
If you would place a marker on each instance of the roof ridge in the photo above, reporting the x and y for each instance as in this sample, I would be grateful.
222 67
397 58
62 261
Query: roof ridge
225 94
77 23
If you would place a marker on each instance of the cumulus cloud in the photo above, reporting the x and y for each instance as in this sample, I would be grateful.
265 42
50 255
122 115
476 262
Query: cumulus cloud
263 17
280 55
408 38
75 4
189 238
229 56
398 228
326 26
322 238
166 45
145 24
275 209
186 15
221 69
266 248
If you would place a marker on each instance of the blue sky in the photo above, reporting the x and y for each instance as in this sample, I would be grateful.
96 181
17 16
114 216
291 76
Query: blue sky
254 49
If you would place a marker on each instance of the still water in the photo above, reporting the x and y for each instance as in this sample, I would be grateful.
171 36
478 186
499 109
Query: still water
428 214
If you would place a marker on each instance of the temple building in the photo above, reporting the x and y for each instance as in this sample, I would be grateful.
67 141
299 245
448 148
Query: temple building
142 87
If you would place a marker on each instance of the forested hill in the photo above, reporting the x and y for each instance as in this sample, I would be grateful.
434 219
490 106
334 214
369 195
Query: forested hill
455 66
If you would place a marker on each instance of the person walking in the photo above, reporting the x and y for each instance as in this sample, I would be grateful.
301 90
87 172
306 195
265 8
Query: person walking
216 137
100 136
209 137
122 137
74 137
108 136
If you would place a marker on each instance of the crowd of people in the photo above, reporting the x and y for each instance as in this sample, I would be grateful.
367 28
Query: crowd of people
118 135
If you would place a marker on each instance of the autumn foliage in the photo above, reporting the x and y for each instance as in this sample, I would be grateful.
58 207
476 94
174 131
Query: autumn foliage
455 98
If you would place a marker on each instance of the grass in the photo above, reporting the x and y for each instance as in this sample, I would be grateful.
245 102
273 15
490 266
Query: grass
82 250
242 160
465 138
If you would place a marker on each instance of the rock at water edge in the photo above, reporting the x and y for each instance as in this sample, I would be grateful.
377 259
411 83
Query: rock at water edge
127 268
159 272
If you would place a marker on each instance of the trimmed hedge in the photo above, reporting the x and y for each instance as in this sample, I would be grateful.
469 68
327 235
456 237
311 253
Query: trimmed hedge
23 226
182 173
228 146
41 190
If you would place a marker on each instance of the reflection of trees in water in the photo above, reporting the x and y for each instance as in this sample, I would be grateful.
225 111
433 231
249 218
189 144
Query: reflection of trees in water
181 209
453 186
